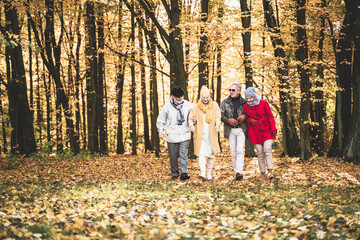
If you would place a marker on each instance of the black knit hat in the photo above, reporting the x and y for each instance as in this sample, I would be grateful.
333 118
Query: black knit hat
177 92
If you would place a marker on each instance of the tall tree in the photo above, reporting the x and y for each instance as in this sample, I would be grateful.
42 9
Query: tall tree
343 57
154 109
21 119
203 47
246 37
352 140
318 114
144 92
120 75
133 90
290 137
305 85
91 77
100 89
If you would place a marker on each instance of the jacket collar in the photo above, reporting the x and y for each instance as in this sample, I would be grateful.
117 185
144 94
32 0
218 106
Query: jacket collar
242 100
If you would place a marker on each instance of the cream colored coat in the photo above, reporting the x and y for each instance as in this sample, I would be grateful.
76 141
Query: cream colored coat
199 126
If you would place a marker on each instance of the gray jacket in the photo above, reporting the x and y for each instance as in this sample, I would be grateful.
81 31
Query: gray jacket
227 111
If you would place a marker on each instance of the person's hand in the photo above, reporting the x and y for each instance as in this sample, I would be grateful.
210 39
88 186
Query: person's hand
274 132
253 121
161 135
241 118
192 128
194 119
217 128
232 122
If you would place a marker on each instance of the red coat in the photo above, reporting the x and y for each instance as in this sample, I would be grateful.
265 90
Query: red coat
263 131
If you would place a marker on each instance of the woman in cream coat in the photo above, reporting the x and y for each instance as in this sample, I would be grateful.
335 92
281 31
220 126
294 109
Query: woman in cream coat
205 129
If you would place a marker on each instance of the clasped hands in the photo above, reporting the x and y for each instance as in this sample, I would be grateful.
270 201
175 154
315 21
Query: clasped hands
234 122
194 120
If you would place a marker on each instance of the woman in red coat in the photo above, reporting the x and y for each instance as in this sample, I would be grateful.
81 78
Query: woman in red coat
262 129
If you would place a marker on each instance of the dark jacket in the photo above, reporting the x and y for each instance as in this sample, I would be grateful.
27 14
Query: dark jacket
227 110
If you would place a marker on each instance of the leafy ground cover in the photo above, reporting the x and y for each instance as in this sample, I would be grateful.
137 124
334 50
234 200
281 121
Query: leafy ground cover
132 197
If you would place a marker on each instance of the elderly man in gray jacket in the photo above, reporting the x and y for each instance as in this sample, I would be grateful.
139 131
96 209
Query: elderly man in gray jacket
173 117
235 128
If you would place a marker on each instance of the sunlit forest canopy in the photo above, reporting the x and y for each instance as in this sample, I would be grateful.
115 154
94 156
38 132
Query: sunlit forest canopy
92 75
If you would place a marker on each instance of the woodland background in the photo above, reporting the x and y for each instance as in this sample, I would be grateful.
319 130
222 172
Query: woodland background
92 75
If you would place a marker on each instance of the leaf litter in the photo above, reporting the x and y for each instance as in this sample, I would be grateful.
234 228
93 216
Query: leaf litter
133 197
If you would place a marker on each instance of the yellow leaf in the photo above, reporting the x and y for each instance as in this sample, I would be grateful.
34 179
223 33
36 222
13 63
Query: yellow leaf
331 221
16 197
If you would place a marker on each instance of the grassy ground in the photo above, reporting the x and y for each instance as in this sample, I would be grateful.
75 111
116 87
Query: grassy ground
132 197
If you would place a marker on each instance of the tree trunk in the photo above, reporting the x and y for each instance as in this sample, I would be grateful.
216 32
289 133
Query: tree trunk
120 71
39 115
77 82
133 91
203 48
147 142
351 148
290 138
23 138
154 93
302 57
3 124
101 86
246 37
343 56
319 108
91 77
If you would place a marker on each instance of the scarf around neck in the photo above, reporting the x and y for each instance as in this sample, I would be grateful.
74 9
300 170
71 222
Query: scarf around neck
206 108
255 102
180 114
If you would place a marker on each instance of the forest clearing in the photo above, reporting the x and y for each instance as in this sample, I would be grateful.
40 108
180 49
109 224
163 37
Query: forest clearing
133 197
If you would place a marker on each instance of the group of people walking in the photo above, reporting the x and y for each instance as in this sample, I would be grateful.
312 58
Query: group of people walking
250 117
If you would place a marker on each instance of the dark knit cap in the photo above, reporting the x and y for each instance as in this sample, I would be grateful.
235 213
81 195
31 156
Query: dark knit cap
177 92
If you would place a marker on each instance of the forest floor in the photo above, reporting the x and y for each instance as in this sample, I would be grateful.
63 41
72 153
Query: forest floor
133 197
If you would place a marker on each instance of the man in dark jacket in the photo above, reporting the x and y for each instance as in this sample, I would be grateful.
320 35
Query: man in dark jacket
235 128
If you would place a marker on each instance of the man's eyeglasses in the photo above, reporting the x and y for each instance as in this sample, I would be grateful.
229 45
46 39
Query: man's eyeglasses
232 90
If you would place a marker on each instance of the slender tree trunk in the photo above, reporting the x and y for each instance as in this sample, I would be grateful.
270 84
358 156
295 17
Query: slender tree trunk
305 85
39 115
23 138
77 81
203 48
120 71
246 36
143 93
91 77
101 79
290 138
154 94
30 70
133 91
3 124
319 109
177 67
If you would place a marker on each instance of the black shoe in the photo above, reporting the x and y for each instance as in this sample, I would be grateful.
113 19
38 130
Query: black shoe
238 177
174 177
184 176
